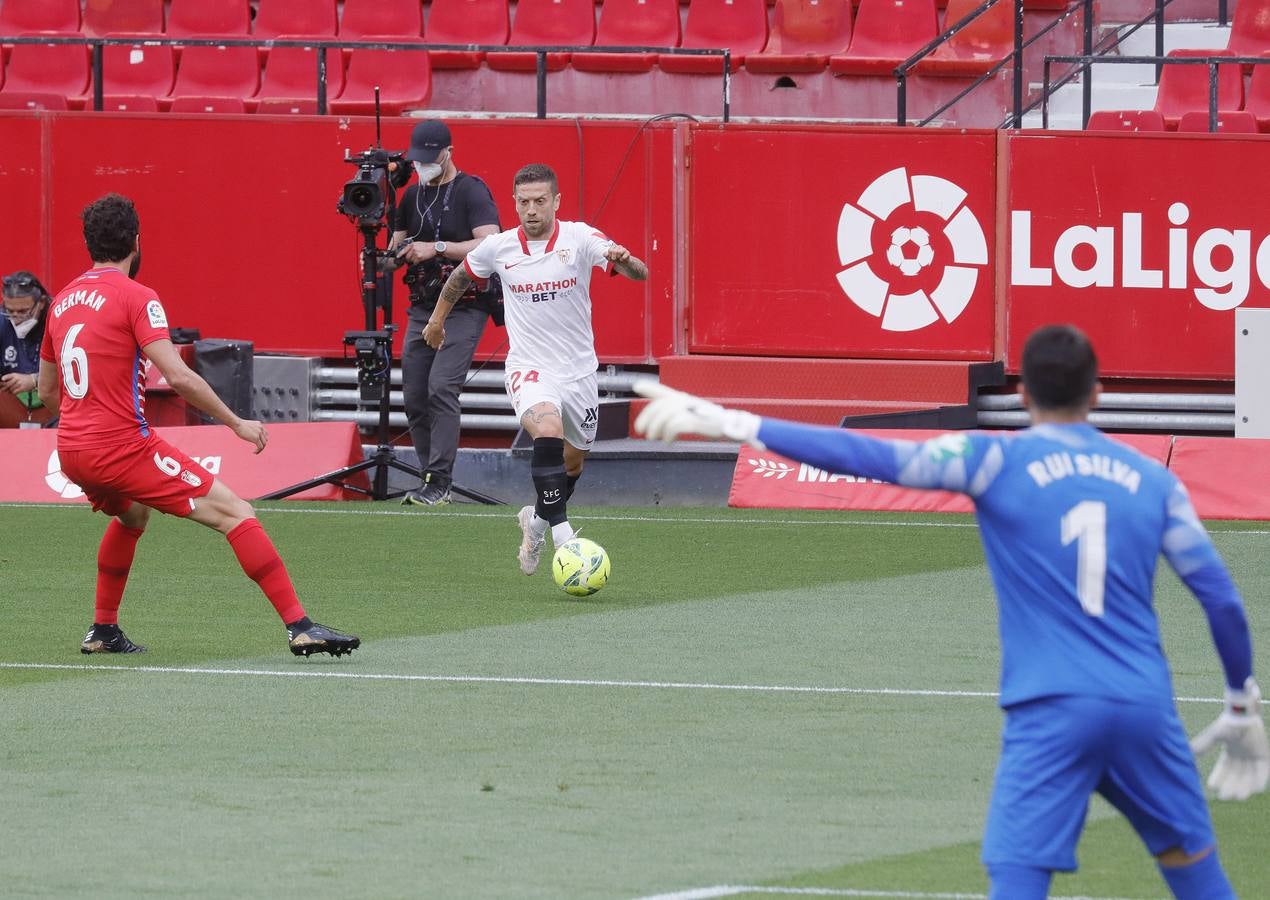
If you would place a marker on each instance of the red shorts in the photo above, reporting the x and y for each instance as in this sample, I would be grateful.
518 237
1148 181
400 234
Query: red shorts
151 472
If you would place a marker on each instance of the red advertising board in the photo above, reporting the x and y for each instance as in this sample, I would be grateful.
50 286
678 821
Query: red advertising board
1148 244
767 480
837 242
295 453
1227 478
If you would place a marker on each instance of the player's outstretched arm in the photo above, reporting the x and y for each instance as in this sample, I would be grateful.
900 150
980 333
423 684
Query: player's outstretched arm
455 287
199 394
630 266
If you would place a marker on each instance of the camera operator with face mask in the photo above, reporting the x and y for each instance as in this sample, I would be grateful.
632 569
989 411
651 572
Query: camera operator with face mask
438 221
21 330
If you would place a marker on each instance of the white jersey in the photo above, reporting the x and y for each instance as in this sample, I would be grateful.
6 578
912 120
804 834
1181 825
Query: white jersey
546 295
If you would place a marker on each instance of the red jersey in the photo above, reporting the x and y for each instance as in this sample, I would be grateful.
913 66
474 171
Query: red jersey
95 330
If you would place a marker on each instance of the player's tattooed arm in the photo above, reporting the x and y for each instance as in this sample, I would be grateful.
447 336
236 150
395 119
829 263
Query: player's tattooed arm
455 287
622 260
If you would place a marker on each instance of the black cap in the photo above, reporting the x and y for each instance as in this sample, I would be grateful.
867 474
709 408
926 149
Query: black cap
427 141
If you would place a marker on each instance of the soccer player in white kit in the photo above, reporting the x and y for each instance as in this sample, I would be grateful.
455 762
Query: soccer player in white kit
545 267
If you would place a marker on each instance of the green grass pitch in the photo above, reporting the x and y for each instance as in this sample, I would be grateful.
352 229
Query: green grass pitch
787 701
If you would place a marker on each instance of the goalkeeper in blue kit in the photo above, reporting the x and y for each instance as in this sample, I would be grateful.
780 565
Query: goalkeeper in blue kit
1072 524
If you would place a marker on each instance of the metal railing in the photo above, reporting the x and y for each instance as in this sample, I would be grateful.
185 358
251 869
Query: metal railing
97 44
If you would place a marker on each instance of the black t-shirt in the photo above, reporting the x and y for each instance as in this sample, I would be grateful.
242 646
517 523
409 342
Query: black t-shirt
445 212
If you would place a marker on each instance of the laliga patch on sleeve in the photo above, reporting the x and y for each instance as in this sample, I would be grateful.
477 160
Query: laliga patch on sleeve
158 318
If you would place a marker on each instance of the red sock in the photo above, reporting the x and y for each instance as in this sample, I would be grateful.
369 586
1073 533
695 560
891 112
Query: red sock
114 561
260 560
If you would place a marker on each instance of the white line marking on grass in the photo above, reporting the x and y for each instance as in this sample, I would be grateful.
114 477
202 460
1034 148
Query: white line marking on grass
527 679
725 890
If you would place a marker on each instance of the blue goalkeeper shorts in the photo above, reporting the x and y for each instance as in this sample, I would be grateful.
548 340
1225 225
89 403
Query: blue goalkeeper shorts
1057 751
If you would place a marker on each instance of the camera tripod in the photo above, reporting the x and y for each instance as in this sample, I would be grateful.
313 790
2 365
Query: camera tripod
373 347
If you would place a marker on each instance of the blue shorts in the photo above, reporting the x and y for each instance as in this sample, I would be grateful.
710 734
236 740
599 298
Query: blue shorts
1057 751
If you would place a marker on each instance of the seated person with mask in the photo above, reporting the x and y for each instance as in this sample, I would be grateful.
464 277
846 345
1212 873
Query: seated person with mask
21 331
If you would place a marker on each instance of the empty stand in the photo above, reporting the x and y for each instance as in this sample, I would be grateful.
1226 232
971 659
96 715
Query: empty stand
1125 120
1258 100
400 17
20 16
130 103
48 69
568 23
190 104
199 18
466 22
1229 121
301 17
978 46
32 100
404 78
805 33
103 17
134 70
631 23
1184 88
736 25
887 32
291 74
215 72
1250 28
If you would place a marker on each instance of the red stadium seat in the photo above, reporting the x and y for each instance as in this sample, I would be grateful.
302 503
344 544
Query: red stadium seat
291 73
134 69
631 23
1125 120
199 18
216 72
466 22
887 32
805 33
401 17
304 17
193 104
554 22
736 25
130 103
1258 100
404 78
977 47
19 16
48 69
32 100
1250 28
1184 88
298 106
1229 121
103 17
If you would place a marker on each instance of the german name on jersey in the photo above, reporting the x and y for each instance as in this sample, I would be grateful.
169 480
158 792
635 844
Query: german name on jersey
96 328
546 295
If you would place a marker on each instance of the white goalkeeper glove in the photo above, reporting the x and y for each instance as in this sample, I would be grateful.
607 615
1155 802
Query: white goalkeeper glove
673 413
1243 767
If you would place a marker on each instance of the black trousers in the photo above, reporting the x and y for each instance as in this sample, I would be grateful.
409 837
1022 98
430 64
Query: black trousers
431 382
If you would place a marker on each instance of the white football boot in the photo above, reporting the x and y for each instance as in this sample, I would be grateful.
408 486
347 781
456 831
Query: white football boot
530 546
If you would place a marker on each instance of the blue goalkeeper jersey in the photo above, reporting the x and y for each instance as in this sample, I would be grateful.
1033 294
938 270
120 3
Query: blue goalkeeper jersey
1072 524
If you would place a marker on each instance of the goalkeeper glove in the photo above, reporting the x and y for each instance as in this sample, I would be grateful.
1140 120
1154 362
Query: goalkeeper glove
673 413
1244 764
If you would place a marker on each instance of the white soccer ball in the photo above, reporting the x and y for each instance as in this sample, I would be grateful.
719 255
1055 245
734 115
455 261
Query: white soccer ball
922 257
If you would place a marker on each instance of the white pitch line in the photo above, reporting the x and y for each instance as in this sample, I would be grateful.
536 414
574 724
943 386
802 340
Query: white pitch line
726 890
529 680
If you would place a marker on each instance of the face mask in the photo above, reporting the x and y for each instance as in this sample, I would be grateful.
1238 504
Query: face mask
427 171
26 327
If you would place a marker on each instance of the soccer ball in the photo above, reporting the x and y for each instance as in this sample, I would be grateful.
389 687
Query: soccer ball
580 567
910 265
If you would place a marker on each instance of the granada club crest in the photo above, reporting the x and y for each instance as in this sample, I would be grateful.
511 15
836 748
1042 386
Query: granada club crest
912 250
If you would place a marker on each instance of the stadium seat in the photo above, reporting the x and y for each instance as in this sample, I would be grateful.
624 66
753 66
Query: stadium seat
130 103
1258 100
283 107
1125 120
568 23
977 47
291 74
805 33
48 69
631 23
1184 88
887 32
21 16
216 72
466 22
134 69
199 18
404 78
32 100
736 25
1250 28
193 104
103 17
302 17
1229 121
401 17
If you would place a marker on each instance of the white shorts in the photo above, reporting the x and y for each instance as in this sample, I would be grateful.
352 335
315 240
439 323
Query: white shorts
577 400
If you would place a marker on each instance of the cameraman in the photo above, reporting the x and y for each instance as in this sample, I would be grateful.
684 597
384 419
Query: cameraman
438 221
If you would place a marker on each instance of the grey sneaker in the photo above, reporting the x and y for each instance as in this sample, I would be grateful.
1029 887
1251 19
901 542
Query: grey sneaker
530 547
431 494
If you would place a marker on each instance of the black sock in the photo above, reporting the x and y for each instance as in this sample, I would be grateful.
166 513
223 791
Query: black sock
550 481
572 483
294 628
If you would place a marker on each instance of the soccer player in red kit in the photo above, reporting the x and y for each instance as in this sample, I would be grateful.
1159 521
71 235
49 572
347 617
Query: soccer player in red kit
101 329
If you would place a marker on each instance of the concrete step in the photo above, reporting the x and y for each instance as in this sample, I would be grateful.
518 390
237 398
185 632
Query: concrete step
1177 36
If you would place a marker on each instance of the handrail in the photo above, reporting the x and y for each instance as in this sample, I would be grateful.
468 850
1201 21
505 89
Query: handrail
97 43
1212 62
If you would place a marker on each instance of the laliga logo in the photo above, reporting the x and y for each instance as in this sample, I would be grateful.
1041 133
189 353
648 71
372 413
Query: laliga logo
905 288
59 483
